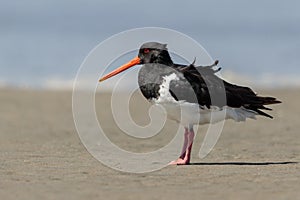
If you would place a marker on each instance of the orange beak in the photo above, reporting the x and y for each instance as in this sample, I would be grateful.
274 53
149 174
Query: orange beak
124 67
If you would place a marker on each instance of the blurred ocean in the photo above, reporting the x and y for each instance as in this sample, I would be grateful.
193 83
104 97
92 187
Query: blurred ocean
43 43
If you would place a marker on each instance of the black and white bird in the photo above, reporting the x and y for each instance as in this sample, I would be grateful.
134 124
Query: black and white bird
196 90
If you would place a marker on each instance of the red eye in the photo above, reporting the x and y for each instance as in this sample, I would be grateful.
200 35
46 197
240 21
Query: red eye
146 50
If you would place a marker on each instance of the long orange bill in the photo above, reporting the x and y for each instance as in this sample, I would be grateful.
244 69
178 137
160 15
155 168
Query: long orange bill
131 63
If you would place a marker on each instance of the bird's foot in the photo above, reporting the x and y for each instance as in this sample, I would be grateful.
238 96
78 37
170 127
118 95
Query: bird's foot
180 161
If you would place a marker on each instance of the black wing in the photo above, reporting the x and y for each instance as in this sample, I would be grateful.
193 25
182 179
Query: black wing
201 85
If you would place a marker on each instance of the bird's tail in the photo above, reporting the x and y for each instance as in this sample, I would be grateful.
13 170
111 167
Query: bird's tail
257 103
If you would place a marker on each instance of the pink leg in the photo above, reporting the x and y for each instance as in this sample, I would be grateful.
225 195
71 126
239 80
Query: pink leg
185 143
185 156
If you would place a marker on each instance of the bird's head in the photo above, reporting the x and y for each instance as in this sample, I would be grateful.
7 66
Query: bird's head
150 52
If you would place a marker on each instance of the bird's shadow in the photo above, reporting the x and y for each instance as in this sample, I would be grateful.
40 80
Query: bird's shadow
244 163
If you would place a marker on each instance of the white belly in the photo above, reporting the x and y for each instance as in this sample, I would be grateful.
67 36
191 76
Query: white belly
191 114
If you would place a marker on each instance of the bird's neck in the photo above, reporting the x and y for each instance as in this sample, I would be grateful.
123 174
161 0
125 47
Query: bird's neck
164 58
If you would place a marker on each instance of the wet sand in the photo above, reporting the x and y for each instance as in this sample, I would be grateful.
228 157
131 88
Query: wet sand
41 156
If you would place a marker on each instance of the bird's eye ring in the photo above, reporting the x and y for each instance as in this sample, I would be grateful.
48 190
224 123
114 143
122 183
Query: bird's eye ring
146 50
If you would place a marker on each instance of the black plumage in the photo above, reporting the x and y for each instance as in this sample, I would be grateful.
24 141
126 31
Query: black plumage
195 84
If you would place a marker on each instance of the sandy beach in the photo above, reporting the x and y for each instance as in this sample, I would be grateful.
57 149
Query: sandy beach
42 157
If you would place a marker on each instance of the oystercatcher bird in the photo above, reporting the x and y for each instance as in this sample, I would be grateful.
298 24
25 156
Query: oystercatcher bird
195 89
